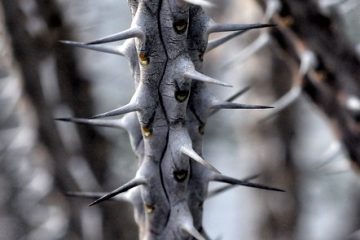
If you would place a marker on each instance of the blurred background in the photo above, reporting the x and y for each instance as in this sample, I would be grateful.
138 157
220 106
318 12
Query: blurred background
309 144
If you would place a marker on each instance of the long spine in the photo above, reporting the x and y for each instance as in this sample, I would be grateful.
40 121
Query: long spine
165 46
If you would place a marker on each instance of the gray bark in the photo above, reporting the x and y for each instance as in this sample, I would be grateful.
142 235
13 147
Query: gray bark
165 46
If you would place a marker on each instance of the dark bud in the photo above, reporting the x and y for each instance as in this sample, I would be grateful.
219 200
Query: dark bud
180 26
144 58
147 131
180 175
202 129
149 208
181 95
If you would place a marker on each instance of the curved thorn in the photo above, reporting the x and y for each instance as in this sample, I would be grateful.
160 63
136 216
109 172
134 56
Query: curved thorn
114 123
130 107
225 179
329 155
247 52
220 27
197 76
228 187
230 105
193 155
284 101
133 183
129 33
189 228
104 49
218 42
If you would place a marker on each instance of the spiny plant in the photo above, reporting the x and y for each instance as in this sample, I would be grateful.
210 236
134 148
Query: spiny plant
167 114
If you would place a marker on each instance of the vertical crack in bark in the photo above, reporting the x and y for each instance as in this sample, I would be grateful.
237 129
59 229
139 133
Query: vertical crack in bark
164 112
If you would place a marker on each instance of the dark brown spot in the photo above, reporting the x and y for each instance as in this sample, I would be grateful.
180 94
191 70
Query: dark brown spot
149 208
144 58
147 131
180 175
202 129
201 57
180 26
181 95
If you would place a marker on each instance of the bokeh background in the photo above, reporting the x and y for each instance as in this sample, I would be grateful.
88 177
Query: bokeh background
309 144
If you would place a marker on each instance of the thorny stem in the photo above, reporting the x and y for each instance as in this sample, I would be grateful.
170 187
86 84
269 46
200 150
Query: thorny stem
167 40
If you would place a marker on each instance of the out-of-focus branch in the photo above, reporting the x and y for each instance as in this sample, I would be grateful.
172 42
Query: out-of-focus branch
27 184
334 84
53 82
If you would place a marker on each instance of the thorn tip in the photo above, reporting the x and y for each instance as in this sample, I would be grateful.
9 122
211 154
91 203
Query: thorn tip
195 156
129 33
197 76
130 107
229 180
131 184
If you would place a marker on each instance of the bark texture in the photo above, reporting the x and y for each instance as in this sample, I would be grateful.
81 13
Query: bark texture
167 114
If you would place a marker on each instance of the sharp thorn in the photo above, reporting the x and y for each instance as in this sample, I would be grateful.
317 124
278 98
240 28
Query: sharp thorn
251 177
93 195
119 111
193 155
232 98
228 187
225 179
190 229
219 27
218 42
114 123
133 183
230 105
197 76
202 3
129 33
104 49
89 195
238 94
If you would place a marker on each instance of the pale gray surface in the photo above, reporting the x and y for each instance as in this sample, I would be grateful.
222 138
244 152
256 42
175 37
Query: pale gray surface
327 198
